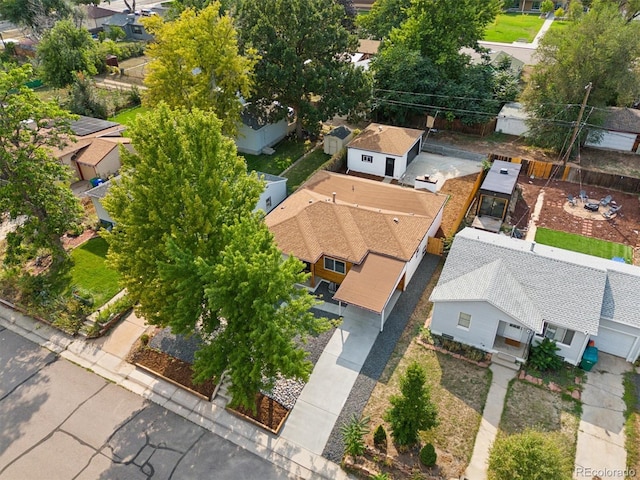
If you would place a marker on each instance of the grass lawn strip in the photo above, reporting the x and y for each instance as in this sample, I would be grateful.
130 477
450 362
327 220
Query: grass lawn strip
287 152
90 273
530 406
304 168
459 390
510 27
588 245
127 117
632 420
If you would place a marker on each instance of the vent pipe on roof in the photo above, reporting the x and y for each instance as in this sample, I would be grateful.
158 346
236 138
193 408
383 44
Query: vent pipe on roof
396 220
334 197
504 171
533 245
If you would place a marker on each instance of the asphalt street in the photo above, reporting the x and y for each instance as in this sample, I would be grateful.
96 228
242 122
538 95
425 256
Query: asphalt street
59 421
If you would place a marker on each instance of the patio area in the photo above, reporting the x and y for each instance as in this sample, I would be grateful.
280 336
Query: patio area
511 347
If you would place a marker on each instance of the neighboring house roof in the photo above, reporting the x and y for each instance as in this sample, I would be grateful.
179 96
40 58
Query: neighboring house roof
84 126
122 19
95 12
368 47
566 288
366 216
340 132
99 148
370 284
513 110
622 120
386 139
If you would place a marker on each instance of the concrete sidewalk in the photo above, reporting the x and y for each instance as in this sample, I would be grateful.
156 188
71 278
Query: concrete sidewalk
601 427
477 469
106 357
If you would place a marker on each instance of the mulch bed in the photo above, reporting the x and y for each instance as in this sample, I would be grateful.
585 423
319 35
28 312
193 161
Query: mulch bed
172 368
268 412
459 190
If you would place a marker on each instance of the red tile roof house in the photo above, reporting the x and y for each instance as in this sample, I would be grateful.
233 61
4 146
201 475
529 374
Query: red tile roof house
366 237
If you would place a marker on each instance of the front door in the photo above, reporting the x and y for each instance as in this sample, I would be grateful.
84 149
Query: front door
390 167
512 333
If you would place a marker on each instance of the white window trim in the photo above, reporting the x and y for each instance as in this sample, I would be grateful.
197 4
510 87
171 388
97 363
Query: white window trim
556 329
466 319
367 158
335 261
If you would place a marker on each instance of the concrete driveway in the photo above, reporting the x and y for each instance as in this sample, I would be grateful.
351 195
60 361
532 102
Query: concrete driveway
440 168
59 421
600 449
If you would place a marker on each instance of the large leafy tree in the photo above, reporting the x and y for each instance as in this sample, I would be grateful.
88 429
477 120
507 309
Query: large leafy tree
530 455
384 16
65 51
196 258
305 60
34 186
195 64
253 289
600 48
37 15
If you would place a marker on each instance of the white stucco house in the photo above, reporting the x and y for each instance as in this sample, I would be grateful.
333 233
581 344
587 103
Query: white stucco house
620 131
500 294
384 150
365 238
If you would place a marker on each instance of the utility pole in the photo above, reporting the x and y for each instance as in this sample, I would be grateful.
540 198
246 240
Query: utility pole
577 127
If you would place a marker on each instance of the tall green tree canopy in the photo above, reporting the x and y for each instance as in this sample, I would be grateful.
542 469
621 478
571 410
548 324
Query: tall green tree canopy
384 16
600 48
305 60
34 186
64 51
37 15
196 258
196 64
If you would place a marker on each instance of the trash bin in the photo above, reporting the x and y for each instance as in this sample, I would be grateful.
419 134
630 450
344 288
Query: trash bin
96 181
589 359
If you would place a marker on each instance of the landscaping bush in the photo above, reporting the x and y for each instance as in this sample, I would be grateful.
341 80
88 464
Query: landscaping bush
121 305
543 356
353 433
380 437
380 476
428 455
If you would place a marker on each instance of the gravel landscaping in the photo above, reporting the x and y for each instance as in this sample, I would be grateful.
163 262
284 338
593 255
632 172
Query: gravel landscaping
380 354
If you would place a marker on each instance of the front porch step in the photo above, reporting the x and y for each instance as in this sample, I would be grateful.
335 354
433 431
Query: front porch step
508 361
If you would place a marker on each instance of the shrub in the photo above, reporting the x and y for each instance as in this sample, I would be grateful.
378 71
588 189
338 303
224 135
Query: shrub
144 339
121 305
428 455
559 12
413 410
543 356
380 437
380 476
353 433
134 96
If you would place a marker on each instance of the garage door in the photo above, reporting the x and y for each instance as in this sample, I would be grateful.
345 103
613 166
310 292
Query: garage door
614 342
415 150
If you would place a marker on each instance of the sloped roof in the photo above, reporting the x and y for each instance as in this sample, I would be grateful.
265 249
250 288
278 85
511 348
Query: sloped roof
620 302
369 47
340 132
94 11
566 288
386 139
366 216
622 120
99 148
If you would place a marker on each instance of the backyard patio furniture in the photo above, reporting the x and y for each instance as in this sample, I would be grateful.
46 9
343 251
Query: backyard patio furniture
606 200
612 212
583 196
572 200
593 207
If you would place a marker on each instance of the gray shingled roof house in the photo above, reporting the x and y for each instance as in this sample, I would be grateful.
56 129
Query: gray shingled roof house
500 294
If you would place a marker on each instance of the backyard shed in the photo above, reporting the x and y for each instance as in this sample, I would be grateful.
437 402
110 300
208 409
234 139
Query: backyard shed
336 139
512 120
496 194
620 131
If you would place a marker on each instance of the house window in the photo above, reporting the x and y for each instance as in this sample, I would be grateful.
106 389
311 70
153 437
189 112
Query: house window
367 158
268 202
136 30
559 334
334 265
535 6
464 320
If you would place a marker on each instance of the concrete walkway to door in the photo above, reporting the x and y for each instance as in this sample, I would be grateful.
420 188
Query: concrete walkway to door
600 450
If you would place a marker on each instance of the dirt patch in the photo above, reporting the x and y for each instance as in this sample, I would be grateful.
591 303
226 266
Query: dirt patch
172 368
557 214
268 412
458 190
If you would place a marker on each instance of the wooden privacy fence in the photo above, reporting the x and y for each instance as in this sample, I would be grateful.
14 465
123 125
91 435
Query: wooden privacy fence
435 246
573 174
467 204
481 129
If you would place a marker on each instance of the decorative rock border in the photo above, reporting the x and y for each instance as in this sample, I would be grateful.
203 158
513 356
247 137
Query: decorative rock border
554 387
429 346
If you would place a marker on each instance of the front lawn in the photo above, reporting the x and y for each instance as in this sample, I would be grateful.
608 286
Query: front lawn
127 117
459 390
287 152
510 27
588 245
91 275
528 406
305 167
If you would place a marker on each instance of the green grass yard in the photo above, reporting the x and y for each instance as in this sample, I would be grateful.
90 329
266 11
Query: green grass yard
588 245
287 152
509 27
304 168
127 117
90 274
